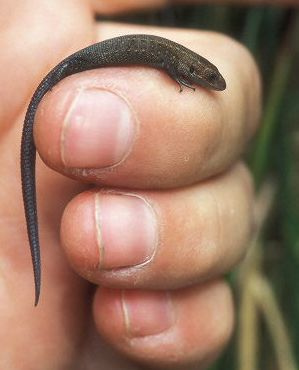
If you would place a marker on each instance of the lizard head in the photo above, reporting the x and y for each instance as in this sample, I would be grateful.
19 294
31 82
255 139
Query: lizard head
196 70
207 76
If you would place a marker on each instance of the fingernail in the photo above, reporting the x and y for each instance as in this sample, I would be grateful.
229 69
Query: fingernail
147 313
98 130
126 230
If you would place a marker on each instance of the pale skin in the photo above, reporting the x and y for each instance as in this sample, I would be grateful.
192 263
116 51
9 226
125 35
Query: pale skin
174 215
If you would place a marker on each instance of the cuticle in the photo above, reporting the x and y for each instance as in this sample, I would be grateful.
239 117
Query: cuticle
99 238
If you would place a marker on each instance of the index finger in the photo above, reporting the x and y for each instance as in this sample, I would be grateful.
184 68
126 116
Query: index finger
178 139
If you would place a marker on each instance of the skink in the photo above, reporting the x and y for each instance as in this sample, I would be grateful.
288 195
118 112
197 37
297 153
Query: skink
182 64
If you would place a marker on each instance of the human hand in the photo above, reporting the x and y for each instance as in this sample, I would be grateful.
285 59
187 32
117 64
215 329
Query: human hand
182 221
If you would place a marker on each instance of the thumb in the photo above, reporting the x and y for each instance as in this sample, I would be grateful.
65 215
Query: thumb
34 35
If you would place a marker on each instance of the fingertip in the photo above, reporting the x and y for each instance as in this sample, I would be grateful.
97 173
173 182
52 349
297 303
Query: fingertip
120 6
182 328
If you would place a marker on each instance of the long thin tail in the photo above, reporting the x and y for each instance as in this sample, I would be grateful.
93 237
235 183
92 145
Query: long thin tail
28 158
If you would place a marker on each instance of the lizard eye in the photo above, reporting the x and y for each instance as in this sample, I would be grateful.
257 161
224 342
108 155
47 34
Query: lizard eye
211 76
191 69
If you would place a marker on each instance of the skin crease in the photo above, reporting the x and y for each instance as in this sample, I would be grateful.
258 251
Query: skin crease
66 330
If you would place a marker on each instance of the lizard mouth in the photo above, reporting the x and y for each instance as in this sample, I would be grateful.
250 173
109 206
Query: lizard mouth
221 84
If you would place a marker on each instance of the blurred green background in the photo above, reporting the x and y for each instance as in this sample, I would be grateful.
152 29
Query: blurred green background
266 285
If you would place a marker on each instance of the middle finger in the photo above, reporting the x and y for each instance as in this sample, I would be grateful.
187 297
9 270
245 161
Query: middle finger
160 239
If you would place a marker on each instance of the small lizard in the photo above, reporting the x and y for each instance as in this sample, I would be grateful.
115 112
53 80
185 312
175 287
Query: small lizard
182 64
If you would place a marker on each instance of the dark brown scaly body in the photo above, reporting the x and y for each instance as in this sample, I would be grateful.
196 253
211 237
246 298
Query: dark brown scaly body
182 64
